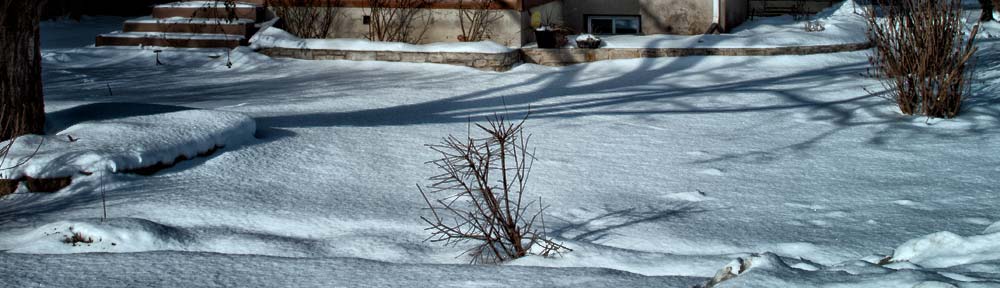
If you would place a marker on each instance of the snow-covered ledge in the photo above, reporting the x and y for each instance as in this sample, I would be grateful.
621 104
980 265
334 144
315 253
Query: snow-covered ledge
480 55
563 57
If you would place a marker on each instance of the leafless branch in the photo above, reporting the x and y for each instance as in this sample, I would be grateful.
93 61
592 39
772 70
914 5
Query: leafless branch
399 20
482 188
923 54
316 20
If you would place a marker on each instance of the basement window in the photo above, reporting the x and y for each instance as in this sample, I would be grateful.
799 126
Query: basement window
613 25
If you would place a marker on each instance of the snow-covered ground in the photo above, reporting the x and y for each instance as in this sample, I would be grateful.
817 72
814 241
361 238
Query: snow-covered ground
659 172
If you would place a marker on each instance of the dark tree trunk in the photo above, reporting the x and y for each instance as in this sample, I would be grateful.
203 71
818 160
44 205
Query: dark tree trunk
987 6
22 109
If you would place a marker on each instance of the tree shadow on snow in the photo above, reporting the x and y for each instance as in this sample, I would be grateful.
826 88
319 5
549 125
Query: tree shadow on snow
602 226
62 119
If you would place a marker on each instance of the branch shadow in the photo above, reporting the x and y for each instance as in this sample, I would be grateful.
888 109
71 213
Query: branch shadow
597 228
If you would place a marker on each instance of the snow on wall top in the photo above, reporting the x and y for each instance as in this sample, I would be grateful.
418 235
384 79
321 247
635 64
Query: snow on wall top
277 38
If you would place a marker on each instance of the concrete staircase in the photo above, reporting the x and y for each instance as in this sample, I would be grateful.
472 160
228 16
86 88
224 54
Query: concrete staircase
191 24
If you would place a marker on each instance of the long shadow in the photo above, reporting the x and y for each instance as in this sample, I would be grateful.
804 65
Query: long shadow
62 119
600 227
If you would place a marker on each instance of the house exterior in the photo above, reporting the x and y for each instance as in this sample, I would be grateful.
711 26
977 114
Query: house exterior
513 22
516 19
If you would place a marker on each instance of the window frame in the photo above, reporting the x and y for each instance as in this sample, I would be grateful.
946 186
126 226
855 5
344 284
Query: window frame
613 17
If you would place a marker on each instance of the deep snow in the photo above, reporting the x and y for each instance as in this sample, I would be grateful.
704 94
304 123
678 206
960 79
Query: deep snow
667 168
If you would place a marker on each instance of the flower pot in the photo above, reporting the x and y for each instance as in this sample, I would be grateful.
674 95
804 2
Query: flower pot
546 39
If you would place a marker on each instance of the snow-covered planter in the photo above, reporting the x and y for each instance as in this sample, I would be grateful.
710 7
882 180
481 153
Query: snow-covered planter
588 41
545 37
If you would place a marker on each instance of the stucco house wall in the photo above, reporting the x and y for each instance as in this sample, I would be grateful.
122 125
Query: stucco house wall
511 27
514 25
687 17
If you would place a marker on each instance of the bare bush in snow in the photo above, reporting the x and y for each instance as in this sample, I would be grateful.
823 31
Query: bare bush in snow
315 20
399 20
923 54
480 196
476 18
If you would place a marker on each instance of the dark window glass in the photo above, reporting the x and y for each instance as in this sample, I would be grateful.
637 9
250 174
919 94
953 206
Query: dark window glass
626 26
601 26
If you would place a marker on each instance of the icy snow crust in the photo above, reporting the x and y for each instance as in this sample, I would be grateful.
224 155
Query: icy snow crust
659 173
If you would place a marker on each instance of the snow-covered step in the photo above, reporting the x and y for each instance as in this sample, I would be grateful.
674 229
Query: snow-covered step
242 27
208 9
187 40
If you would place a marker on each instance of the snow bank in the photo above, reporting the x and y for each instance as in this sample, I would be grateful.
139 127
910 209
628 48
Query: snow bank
946 249
770 270
114 235
277 38
842 26
124 143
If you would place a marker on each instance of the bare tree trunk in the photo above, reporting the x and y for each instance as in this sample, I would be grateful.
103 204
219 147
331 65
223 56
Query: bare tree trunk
22 108
987 6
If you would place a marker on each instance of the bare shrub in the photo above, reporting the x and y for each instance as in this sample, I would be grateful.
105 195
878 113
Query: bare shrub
476 19
399 20
922 54
482 193
315 20
77 238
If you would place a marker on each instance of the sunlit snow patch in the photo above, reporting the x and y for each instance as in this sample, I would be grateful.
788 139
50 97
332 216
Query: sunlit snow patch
946 249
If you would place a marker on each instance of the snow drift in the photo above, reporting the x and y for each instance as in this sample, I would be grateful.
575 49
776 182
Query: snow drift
124 143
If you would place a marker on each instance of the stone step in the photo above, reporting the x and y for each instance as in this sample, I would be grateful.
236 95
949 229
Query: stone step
208 9
242 27
183 40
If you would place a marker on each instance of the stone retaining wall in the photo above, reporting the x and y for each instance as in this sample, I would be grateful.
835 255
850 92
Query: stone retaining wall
482 61
548 57
563 57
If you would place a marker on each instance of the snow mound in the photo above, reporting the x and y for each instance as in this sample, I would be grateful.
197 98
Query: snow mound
946 249
771 270
115 143
277 38
114 235
994 228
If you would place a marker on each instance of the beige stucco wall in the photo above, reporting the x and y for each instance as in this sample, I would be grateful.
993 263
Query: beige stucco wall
676 16
437 25
658 16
